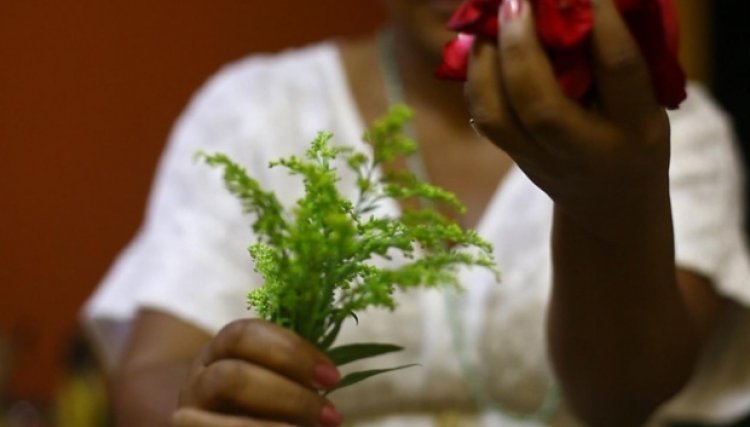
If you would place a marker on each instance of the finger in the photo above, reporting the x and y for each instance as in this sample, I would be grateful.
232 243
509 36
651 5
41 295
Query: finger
235 386
276 348
529 80
487 105
192 417
622 75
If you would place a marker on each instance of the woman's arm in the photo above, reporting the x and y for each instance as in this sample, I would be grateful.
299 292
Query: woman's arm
250 374
154 367
625 328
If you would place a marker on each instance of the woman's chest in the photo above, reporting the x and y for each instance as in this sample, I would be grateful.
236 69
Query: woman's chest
486 342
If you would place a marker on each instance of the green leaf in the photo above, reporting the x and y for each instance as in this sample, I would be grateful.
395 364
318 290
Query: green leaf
349 353
356 377
328 339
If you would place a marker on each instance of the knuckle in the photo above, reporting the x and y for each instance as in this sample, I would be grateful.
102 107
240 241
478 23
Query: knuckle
296 357
237 329
305 403
230 375
514 50
626 61
235 333
490 121
541 116
485 116
500 129
220 381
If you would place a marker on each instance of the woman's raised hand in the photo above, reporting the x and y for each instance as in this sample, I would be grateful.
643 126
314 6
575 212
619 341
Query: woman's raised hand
256 374
593 162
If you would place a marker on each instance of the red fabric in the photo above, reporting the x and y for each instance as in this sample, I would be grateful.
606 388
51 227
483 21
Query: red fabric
564 27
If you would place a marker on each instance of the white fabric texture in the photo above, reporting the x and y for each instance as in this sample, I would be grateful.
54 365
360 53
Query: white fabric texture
189 259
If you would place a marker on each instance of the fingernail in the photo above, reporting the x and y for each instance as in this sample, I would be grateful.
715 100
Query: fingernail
510 9
325 376
329 417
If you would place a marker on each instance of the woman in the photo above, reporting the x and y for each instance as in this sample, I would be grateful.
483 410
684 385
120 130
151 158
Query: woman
632 334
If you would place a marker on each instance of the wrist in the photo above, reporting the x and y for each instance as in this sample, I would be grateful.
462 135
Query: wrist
619 215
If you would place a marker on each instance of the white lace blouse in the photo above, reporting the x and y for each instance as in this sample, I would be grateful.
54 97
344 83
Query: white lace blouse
189 258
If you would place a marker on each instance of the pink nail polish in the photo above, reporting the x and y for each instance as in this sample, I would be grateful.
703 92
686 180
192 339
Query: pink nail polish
510 10
329 417
325 376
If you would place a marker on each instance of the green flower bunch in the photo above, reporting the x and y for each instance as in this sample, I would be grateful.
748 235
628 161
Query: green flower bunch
317 257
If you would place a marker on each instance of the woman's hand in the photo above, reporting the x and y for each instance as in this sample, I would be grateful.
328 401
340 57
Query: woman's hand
254 373
621 337
595 163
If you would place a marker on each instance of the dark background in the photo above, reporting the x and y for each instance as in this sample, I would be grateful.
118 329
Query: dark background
731 66
88 92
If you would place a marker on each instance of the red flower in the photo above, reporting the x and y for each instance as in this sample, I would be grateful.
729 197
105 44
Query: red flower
564 27
478 17
456 58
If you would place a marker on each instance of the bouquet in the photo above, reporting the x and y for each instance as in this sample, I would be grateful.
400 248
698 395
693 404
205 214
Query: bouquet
317 258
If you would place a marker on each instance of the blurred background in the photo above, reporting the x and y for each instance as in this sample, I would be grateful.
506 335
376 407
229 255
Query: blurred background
88 93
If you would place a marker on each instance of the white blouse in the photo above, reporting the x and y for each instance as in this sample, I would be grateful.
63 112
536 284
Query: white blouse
189 258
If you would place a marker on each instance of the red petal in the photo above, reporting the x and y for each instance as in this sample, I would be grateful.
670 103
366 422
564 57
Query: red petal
563 27
467 14
456 58
564 23
477 17
573 70
671 28
650 29
670 81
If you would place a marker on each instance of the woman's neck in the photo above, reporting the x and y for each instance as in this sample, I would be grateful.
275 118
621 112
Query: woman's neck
454 156
422 92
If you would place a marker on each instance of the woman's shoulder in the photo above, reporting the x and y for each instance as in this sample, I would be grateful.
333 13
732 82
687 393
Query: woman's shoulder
262 75
264 96
282 63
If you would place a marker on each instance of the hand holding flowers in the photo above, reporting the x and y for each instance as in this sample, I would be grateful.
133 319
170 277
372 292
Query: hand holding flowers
564 28
597 163
319 263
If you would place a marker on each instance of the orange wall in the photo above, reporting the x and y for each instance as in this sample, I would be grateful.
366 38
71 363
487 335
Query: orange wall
88 92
